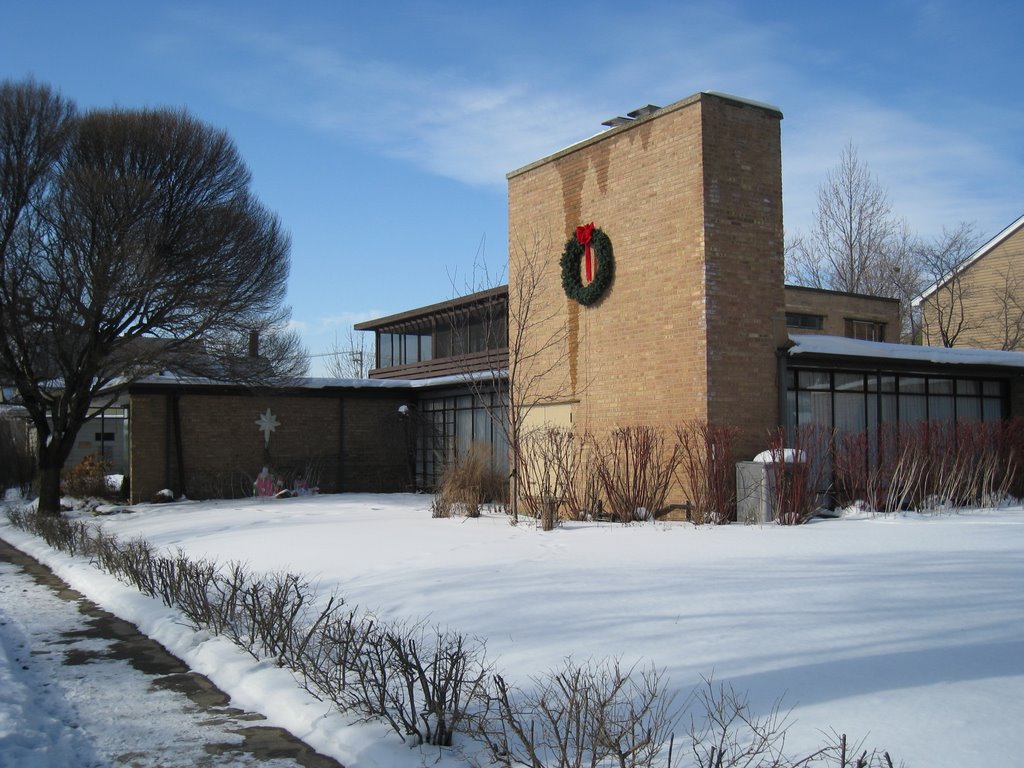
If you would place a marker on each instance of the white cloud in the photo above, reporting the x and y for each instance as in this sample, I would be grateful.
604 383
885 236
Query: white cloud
931 169
473 124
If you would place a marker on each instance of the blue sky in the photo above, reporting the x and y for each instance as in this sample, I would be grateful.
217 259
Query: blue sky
381 132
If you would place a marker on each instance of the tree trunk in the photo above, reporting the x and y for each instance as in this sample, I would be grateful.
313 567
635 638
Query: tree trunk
49 489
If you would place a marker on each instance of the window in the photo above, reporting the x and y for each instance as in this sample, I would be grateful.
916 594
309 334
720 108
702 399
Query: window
866 330
450 426
804 321
403 348
384 357
851 402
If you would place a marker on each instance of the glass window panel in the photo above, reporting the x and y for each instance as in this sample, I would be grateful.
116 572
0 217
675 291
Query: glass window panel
967 387
991 388
888 408
940 387
940 408
814 408
912 384
384 355
478 336
850 413
888 383
815 380
913 408
968 409
443 341
992 409
790 379
790 412
463 431
425 347
497 332
849 382
411 346
481 426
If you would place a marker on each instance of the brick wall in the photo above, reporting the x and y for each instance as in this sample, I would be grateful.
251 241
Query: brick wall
354 442
691 200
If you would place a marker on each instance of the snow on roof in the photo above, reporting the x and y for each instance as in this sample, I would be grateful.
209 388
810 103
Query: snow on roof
808 344
332 383
970 260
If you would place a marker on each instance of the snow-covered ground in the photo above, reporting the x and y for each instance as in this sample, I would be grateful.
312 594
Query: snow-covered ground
70 695
908 630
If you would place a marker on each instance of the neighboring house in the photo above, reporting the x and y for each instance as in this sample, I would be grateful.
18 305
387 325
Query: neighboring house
979 303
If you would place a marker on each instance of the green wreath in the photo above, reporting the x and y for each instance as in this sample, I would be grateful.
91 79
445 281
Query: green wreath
571 256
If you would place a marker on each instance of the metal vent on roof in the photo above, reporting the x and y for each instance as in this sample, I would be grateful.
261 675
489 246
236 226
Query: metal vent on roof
644 111
615 122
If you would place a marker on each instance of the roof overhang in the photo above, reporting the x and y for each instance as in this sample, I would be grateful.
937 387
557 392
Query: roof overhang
836 350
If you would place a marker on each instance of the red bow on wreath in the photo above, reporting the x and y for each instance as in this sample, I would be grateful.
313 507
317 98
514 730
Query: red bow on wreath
583 235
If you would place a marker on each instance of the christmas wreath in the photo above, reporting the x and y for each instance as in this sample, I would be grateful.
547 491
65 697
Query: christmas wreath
588 243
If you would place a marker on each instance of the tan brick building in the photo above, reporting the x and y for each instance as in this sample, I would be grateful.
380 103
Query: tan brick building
836 313
691 198
695 323
980 304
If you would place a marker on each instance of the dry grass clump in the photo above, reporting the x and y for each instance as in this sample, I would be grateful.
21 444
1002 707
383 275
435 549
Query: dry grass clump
468 483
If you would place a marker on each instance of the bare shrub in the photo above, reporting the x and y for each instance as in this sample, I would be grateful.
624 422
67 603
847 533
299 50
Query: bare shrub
580 715
540 483
636 469
424 682
707 470
441 675
71 536
328 664
929 466
88 479
797 472
268 615
729 734
559 478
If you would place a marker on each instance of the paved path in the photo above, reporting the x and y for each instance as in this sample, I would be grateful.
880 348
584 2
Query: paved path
85 689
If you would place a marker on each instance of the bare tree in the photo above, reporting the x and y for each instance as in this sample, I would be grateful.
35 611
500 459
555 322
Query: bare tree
351 359
529 370
856 244
130 243
945 317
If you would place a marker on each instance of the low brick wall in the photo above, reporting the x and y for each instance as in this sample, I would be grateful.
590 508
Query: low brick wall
208 442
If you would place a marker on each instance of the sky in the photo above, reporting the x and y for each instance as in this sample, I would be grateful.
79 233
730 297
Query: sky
381 133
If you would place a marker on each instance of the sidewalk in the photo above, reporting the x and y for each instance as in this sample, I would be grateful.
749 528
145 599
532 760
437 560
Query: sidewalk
80 687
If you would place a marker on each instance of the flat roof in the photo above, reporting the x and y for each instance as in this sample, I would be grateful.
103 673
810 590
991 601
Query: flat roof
830 292
681 104
410 315
315 384
813 345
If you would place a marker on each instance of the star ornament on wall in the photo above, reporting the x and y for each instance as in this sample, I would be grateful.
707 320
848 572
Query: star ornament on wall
267 423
